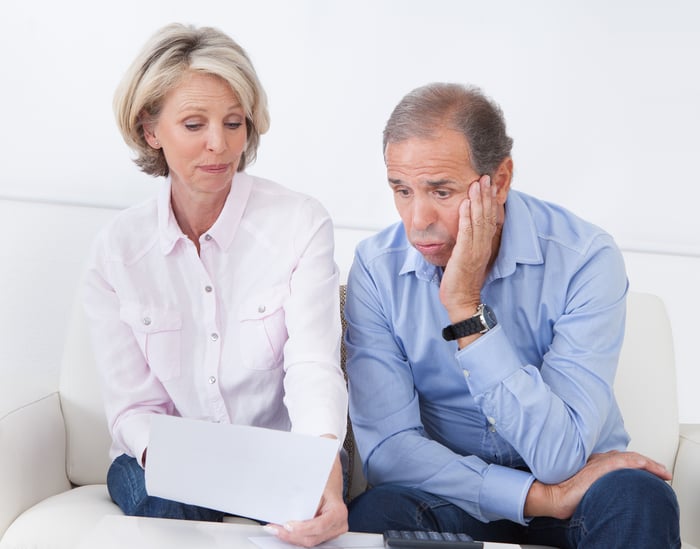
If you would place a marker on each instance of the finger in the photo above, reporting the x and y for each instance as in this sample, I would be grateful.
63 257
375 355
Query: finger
654 467
465 220
296 534
486 196
477 205
489 192
307 534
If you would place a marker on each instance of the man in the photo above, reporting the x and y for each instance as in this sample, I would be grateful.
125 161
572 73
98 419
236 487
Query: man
483 338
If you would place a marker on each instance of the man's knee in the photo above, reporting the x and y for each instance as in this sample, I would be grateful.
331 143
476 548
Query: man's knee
635 503
638 489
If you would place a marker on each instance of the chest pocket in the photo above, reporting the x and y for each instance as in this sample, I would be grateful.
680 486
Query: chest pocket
158 333
263 330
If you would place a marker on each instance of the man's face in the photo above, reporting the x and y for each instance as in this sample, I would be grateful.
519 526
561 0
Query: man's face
430 178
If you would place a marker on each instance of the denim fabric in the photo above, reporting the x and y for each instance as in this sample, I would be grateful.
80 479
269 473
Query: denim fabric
127 487
623 509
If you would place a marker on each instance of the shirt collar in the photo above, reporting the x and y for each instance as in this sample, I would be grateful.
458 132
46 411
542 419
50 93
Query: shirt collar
519 244
519 240
224 228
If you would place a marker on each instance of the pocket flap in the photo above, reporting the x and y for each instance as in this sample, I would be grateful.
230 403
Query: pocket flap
263 304
150 319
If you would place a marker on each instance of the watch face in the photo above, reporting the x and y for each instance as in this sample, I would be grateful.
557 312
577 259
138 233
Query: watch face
489 317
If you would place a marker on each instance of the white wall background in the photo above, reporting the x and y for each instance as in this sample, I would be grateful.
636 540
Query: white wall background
602 98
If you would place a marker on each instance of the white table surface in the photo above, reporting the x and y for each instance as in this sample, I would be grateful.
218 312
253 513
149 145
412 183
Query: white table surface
122 532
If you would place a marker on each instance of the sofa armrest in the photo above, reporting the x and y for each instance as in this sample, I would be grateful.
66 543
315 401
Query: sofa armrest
686 482
33 456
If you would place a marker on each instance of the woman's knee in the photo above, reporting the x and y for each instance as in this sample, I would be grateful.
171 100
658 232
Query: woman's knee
126 484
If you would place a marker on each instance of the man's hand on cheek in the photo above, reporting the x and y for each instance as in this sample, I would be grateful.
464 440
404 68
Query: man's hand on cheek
465 272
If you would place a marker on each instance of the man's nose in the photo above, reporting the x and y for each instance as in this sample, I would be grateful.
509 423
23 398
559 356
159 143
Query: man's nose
423 213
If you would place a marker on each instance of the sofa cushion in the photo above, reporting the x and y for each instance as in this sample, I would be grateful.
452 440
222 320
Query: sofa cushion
645 384
60 522
87 436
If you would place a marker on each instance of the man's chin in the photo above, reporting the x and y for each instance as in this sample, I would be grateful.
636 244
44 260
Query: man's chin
436 258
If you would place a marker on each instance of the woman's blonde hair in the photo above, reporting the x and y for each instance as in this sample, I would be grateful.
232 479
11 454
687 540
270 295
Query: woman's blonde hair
173 51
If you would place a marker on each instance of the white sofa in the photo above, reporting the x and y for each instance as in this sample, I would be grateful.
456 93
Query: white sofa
53 438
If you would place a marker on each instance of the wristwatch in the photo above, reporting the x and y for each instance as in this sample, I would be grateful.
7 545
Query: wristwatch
482 321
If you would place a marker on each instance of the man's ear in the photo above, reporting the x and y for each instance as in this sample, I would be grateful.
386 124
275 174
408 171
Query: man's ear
502 179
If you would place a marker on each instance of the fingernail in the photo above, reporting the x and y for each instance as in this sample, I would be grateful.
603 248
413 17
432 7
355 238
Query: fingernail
271 529
288 527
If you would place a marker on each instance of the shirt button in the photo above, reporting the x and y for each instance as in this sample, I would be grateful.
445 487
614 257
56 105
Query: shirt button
207 237
491 420
466 374
212 380
214 336
146 321
207 289
261 308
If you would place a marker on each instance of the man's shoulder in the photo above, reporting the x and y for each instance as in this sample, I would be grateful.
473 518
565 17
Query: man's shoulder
558 225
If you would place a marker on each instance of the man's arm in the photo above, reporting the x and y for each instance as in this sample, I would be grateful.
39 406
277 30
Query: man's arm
554 411
384 408
560 500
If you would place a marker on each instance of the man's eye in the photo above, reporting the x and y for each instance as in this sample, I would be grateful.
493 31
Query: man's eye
442 194
402 192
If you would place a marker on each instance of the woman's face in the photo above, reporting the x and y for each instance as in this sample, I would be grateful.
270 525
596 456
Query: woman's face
202 131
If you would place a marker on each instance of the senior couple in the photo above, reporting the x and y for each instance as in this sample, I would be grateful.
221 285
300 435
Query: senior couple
483 329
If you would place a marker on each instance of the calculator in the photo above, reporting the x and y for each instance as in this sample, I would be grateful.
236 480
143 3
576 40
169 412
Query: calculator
414 539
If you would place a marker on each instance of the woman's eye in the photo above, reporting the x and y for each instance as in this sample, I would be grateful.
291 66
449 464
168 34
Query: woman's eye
234 125
193 126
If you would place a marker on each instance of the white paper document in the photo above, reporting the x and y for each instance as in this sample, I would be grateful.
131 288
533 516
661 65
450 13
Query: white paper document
350 540
267 475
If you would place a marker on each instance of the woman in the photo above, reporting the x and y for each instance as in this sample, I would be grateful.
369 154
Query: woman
218 300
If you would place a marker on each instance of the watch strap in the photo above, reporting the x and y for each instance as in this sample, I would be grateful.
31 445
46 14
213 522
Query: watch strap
479 323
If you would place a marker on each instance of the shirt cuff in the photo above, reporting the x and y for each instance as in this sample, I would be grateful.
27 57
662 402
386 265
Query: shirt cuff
488 361
503 493
135 433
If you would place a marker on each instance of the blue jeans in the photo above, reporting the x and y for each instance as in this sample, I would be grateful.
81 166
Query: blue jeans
625 508
127 487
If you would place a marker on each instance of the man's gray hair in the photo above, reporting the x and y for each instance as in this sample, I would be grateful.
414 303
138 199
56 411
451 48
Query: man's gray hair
423 111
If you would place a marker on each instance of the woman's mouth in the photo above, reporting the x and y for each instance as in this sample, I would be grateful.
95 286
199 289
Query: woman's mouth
214 168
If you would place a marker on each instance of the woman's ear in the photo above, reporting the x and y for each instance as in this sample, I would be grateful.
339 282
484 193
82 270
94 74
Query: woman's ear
149 135
502 179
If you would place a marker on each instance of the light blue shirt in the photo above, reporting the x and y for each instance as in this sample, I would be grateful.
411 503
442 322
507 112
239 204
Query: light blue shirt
533 394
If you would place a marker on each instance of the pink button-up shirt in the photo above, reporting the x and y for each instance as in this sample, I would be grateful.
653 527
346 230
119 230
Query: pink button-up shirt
246 332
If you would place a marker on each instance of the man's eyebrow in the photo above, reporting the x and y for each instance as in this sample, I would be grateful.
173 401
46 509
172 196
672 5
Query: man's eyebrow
439 182
434 183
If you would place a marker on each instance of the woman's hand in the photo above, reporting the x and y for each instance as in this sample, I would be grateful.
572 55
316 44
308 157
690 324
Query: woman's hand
331 518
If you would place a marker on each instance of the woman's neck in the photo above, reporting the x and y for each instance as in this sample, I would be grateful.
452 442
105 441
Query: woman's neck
196 212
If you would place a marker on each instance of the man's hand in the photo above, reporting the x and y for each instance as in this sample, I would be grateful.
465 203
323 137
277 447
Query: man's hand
331 519
560 500
474 249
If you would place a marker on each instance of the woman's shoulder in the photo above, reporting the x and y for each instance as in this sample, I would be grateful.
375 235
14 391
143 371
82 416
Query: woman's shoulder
269 194
131 232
